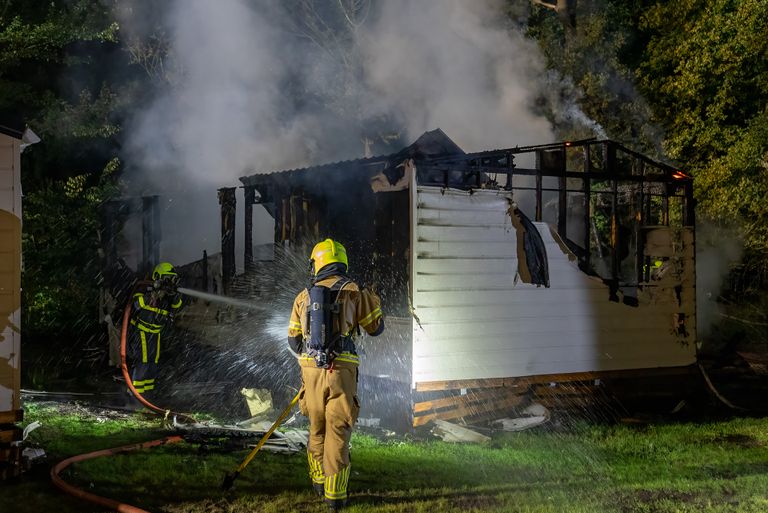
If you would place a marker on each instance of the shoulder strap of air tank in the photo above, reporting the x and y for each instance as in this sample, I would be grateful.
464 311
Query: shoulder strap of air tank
336 289
308 304
339 284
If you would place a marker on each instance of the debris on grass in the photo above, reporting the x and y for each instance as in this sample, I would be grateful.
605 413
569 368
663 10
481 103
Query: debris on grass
454 433
573 466
31 454
288 441
371 422
532 416
31 427
259 401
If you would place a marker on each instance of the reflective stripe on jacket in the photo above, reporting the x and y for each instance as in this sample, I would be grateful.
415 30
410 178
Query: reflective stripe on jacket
151 314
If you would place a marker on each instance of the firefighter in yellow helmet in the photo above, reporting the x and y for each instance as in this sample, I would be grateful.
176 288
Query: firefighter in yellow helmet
325 320
153 310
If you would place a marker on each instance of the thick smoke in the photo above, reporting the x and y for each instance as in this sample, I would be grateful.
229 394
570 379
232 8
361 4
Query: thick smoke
718 249
454 65
267 85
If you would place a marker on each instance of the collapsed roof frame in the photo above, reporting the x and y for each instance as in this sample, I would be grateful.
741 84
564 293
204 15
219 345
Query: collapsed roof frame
602 169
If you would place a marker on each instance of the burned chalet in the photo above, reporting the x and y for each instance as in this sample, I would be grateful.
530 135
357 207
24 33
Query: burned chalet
547 272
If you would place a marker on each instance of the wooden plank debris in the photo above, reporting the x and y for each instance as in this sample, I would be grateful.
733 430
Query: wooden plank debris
490 399
467 406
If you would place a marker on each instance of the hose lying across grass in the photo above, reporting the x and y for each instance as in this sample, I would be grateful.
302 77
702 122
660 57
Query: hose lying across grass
97 499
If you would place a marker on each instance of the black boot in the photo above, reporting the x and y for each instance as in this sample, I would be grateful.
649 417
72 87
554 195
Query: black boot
319 489
335 504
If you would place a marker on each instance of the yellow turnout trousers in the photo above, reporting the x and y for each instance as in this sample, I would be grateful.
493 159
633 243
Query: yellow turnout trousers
329 398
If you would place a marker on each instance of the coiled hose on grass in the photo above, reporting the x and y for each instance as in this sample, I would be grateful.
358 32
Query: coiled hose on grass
120 507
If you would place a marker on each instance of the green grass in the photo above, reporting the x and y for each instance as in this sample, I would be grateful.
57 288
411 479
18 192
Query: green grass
718 466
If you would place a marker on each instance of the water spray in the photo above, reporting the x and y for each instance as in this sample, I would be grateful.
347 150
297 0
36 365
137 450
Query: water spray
215 298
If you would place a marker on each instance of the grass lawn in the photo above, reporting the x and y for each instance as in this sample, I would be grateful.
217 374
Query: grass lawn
716 466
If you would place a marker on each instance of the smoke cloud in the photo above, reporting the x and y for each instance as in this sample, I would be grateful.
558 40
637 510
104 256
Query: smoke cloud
265 85
453 65
718 249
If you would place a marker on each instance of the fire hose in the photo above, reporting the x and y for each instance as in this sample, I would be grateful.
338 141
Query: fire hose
120 507
97 499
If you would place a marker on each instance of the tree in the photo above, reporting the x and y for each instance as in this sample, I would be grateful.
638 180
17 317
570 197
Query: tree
54 75
592 52
61 251
706 74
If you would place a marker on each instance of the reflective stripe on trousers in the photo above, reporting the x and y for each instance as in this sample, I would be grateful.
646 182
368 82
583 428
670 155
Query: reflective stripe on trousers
315 469
145 347
142 386
144 353
336 485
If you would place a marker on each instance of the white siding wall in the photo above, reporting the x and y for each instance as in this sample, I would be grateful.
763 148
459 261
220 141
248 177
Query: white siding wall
10 273
476 321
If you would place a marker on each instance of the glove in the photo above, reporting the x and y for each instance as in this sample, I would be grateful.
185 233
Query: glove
295 343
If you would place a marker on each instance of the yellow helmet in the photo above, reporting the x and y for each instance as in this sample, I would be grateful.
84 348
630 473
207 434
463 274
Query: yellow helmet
164 270
327 252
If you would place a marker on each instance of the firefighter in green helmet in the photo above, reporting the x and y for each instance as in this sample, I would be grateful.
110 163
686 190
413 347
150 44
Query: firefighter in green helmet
153 309
325 320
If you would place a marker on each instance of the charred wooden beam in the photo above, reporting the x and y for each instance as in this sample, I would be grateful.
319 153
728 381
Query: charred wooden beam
205 271
587 206
249 193
562 200
285 220
539 179
615 264
690 204
453 401
228 202
109 229
496 161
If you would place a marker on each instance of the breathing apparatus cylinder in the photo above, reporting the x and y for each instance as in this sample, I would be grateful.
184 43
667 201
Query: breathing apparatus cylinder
323 308
320 324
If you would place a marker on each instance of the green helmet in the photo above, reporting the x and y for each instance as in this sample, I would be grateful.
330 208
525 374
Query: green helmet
165 270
